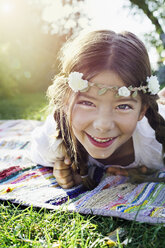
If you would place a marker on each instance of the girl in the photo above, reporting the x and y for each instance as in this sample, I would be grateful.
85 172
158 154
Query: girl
106 117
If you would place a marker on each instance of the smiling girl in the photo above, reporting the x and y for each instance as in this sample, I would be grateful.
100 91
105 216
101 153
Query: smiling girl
106 117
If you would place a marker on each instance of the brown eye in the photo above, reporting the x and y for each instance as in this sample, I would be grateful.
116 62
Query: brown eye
86 103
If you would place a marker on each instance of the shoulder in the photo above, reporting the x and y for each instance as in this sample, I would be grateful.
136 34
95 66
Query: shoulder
148 150
45 135
162 109
143 127
46 130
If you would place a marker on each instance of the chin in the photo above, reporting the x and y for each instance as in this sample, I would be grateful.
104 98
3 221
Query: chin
101 156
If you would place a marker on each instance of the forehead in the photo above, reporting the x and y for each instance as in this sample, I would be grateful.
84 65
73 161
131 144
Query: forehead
108 78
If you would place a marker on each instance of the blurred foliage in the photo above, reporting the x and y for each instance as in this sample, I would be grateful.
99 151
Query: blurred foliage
155 11
26 54
29 43
161 75
18 107
62 16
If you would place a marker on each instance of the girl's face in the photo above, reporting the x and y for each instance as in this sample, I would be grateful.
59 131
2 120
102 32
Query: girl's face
102 124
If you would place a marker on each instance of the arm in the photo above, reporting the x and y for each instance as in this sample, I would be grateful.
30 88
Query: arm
136 175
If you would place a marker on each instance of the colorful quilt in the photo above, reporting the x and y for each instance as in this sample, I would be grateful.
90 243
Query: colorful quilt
26 183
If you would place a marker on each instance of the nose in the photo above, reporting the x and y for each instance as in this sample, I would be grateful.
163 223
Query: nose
104 122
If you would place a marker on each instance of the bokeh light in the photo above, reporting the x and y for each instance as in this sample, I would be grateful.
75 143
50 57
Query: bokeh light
6 7
28 56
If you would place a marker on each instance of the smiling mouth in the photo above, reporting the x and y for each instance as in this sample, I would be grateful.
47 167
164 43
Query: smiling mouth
101 142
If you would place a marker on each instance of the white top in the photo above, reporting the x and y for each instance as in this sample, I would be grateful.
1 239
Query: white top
148 151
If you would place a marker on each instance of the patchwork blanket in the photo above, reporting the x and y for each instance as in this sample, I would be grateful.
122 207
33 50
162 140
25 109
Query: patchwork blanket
26 183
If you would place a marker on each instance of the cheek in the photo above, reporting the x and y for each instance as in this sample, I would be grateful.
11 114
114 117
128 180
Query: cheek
78 119
142 113
128 125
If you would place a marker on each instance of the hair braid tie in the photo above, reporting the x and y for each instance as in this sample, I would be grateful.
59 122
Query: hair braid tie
87 181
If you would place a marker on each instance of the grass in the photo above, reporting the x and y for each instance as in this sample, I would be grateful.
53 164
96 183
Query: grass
31 227
23 106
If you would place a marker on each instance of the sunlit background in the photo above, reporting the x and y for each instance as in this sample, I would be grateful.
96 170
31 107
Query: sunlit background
32 32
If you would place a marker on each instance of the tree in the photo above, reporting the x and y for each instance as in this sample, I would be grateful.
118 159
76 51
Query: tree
155 11
31 34
62 17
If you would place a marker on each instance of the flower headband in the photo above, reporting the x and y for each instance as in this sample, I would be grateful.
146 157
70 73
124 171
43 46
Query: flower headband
76 83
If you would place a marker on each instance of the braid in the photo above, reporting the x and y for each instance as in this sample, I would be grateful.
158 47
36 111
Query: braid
74 150
87 181
157 122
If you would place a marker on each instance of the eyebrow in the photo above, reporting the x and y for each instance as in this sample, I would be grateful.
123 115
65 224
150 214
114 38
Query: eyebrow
127 100
87 96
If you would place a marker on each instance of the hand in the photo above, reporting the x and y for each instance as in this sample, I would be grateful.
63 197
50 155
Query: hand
64 174
62 171
128 172
117 171
137 175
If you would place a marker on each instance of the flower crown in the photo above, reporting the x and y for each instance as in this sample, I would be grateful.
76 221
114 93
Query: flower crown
76 83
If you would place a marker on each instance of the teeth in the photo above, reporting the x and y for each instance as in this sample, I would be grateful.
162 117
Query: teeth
101 140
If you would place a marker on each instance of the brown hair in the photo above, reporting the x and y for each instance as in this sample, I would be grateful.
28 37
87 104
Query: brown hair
96 51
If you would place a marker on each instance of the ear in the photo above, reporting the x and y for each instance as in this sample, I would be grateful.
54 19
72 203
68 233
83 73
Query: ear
142 112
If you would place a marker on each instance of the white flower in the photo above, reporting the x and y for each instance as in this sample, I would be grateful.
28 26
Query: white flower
124 91
153 85
76 82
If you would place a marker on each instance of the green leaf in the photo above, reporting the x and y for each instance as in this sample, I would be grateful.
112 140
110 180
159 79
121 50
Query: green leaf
130 87
134 94
102 91
117 95
144 91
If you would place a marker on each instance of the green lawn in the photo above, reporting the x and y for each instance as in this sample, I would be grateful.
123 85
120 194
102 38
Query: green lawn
23 106
30 227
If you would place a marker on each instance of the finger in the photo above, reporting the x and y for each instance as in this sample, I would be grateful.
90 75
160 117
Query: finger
77 178
122 172
60 165
67 161
68 186
62 173
112 170
64 181
117 171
